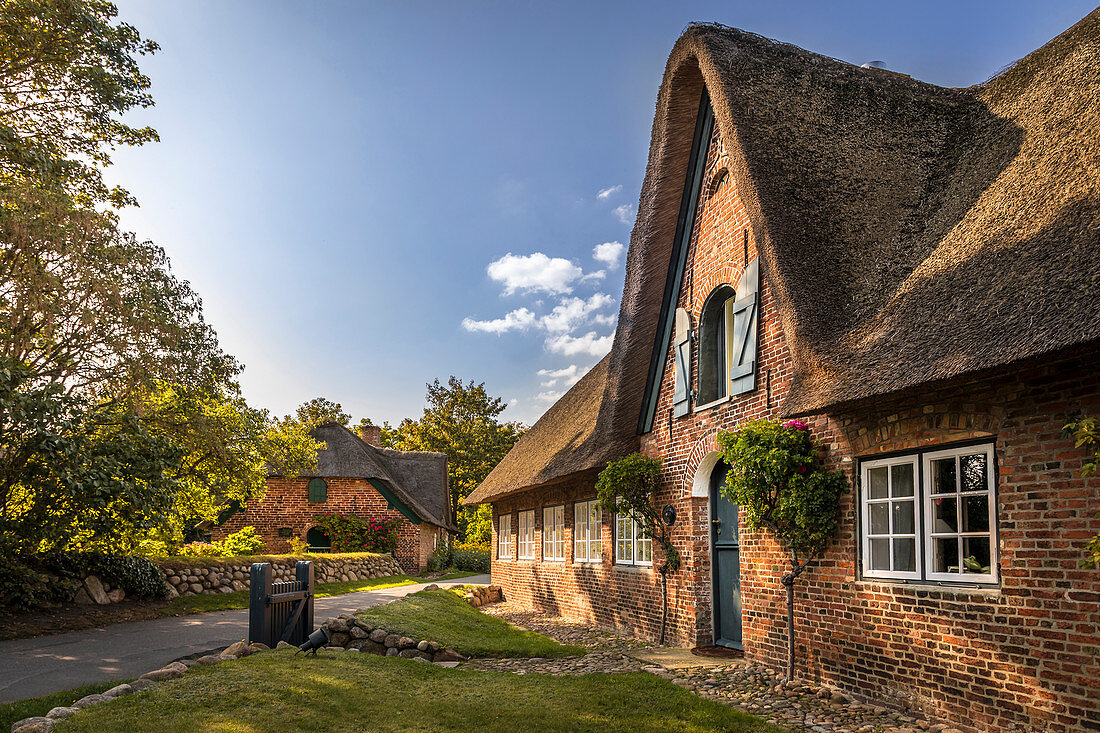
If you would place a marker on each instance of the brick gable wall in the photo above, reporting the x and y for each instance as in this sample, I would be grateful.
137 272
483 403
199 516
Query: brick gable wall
286 503
1021 656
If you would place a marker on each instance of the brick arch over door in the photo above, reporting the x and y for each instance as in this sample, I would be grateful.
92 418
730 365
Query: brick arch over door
703 450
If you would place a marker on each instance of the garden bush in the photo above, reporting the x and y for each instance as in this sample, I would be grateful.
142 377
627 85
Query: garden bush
245 542
355 534
470 556
43 580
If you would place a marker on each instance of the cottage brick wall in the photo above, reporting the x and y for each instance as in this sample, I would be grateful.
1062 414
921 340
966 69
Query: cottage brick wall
285 504
1024 655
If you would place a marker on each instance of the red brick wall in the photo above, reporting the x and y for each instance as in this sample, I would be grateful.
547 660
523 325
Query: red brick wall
1022 656
286 504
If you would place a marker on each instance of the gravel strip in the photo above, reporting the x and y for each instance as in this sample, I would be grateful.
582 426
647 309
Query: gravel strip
750 687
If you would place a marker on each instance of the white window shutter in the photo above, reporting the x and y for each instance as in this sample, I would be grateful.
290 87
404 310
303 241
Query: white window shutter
681 396
742 321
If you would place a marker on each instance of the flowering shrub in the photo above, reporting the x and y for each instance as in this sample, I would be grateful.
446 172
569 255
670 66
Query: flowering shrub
245 542
472 556
355 534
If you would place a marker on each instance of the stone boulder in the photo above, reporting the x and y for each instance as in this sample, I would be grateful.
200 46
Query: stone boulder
89 700
237 649
37 724
94 588
116 595
60 713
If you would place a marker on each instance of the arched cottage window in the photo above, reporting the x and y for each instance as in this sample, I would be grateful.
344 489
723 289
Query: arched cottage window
712 345
728 329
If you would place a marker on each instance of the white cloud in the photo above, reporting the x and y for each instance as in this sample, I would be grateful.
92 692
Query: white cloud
534 273
568 376
590 344
607 193
625 213
608 253
548 396
519 319
572 312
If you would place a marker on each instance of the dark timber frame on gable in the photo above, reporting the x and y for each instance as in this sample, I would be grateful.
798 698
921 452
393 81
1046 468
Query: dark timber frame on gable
685 224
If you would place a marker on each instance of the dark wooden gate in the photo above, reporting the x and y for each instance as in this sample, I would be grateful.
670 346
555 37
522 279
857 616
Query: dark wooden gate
280 611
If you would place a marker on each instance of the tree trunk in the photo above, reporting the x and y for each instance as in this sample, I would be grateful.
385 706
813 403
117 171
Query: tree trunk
664 603
788 580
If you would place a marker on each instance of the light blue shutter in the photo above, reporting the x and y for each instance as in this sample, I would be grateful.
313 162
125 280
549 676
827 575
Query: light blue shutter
681 395
743 321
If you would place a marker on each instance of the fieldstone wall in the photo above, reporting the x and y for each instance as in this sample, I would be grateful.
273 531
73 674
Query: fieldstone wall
212 575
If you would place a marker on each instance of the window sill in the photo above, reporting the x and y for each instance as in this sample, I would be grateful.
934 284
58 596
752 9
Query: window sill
633 568
932 586
589 563
553 559
713 403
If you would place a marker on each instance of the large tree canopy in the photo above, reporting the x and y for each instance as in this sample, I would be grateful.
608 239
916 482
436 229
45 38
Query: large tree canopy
68 74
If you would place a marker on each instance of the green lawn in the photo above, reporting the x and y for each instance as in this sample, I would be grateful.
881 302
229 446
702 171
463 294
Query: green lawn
13 711
350 692
443 616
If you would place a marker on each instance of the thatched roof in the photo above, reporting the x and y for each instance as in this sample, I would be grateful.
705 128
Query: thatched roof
418 479
565 440
909 233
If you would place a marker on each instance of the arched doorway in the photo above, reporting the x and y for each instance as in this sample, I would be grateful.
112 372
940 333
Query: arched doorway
318 540
725 562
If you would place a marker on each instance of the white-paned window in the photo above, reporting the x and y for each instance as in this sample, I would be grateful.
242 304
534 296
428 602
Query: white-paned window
587 531
525 540
890 518
930 516
961 515
632 547
553 532
504 537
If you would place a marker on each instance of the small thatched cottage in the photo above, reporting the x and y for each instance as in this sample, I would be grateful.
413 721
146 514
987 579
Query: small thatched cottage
355 476
915 272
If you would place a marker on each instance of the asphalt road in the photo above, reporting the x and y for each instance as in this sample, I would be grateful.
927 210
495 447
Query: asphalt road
34 667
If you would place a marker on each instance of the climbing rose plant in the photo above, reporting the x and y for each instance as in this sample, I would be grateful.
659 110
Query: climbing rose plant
355 534
777 479
629 486
1086 432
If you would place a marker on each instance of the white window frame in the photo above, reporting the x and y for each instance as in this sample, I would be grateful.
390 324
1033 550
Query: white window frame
991 501
924 524
867 502
587 531
553 532
525 538
636 542
504 537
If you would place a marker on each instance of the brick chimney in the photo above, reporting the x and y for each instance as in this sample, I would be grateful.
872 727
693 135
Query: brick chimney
371 435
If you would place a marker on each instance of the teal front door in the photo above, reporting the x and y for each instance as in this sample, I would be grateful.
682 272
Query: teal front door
725 562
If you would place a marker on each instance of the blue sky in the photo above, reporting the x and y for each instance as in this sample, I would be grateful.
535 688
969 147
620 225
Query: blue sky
372 195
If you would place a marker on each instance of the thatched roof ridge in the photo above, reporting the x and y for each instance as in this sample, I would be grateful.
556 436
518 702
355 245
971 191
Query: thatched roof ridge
909 233
417 478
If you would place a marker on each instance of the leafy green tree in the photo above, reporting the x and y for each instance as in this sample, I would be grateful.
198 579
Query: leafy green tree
461 422
1086 433
73 473
777 479
68 75
86 306
629 486
319 411
226 447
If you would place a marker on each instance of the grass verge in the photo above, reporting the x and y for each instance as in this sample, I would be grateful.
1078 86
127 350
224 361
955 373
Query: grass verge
349 693
13 711
71 617
443 616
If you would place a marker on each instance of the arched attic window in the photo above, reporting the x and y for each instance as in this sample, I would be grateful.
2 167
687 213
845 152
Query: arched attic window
728 329
712 345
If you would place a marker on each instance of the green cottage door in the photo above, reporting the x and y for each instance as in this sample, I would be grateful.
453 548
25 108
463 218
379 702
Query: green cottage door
725 562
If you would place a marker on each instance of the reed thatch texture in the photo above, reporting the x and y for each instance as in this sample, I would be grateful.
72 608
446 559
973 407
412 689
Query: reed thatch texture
910 233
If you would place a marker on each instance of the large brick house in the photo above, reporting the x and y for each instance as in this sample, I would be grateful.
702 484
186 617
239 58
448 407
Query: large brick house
915 272
355 476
